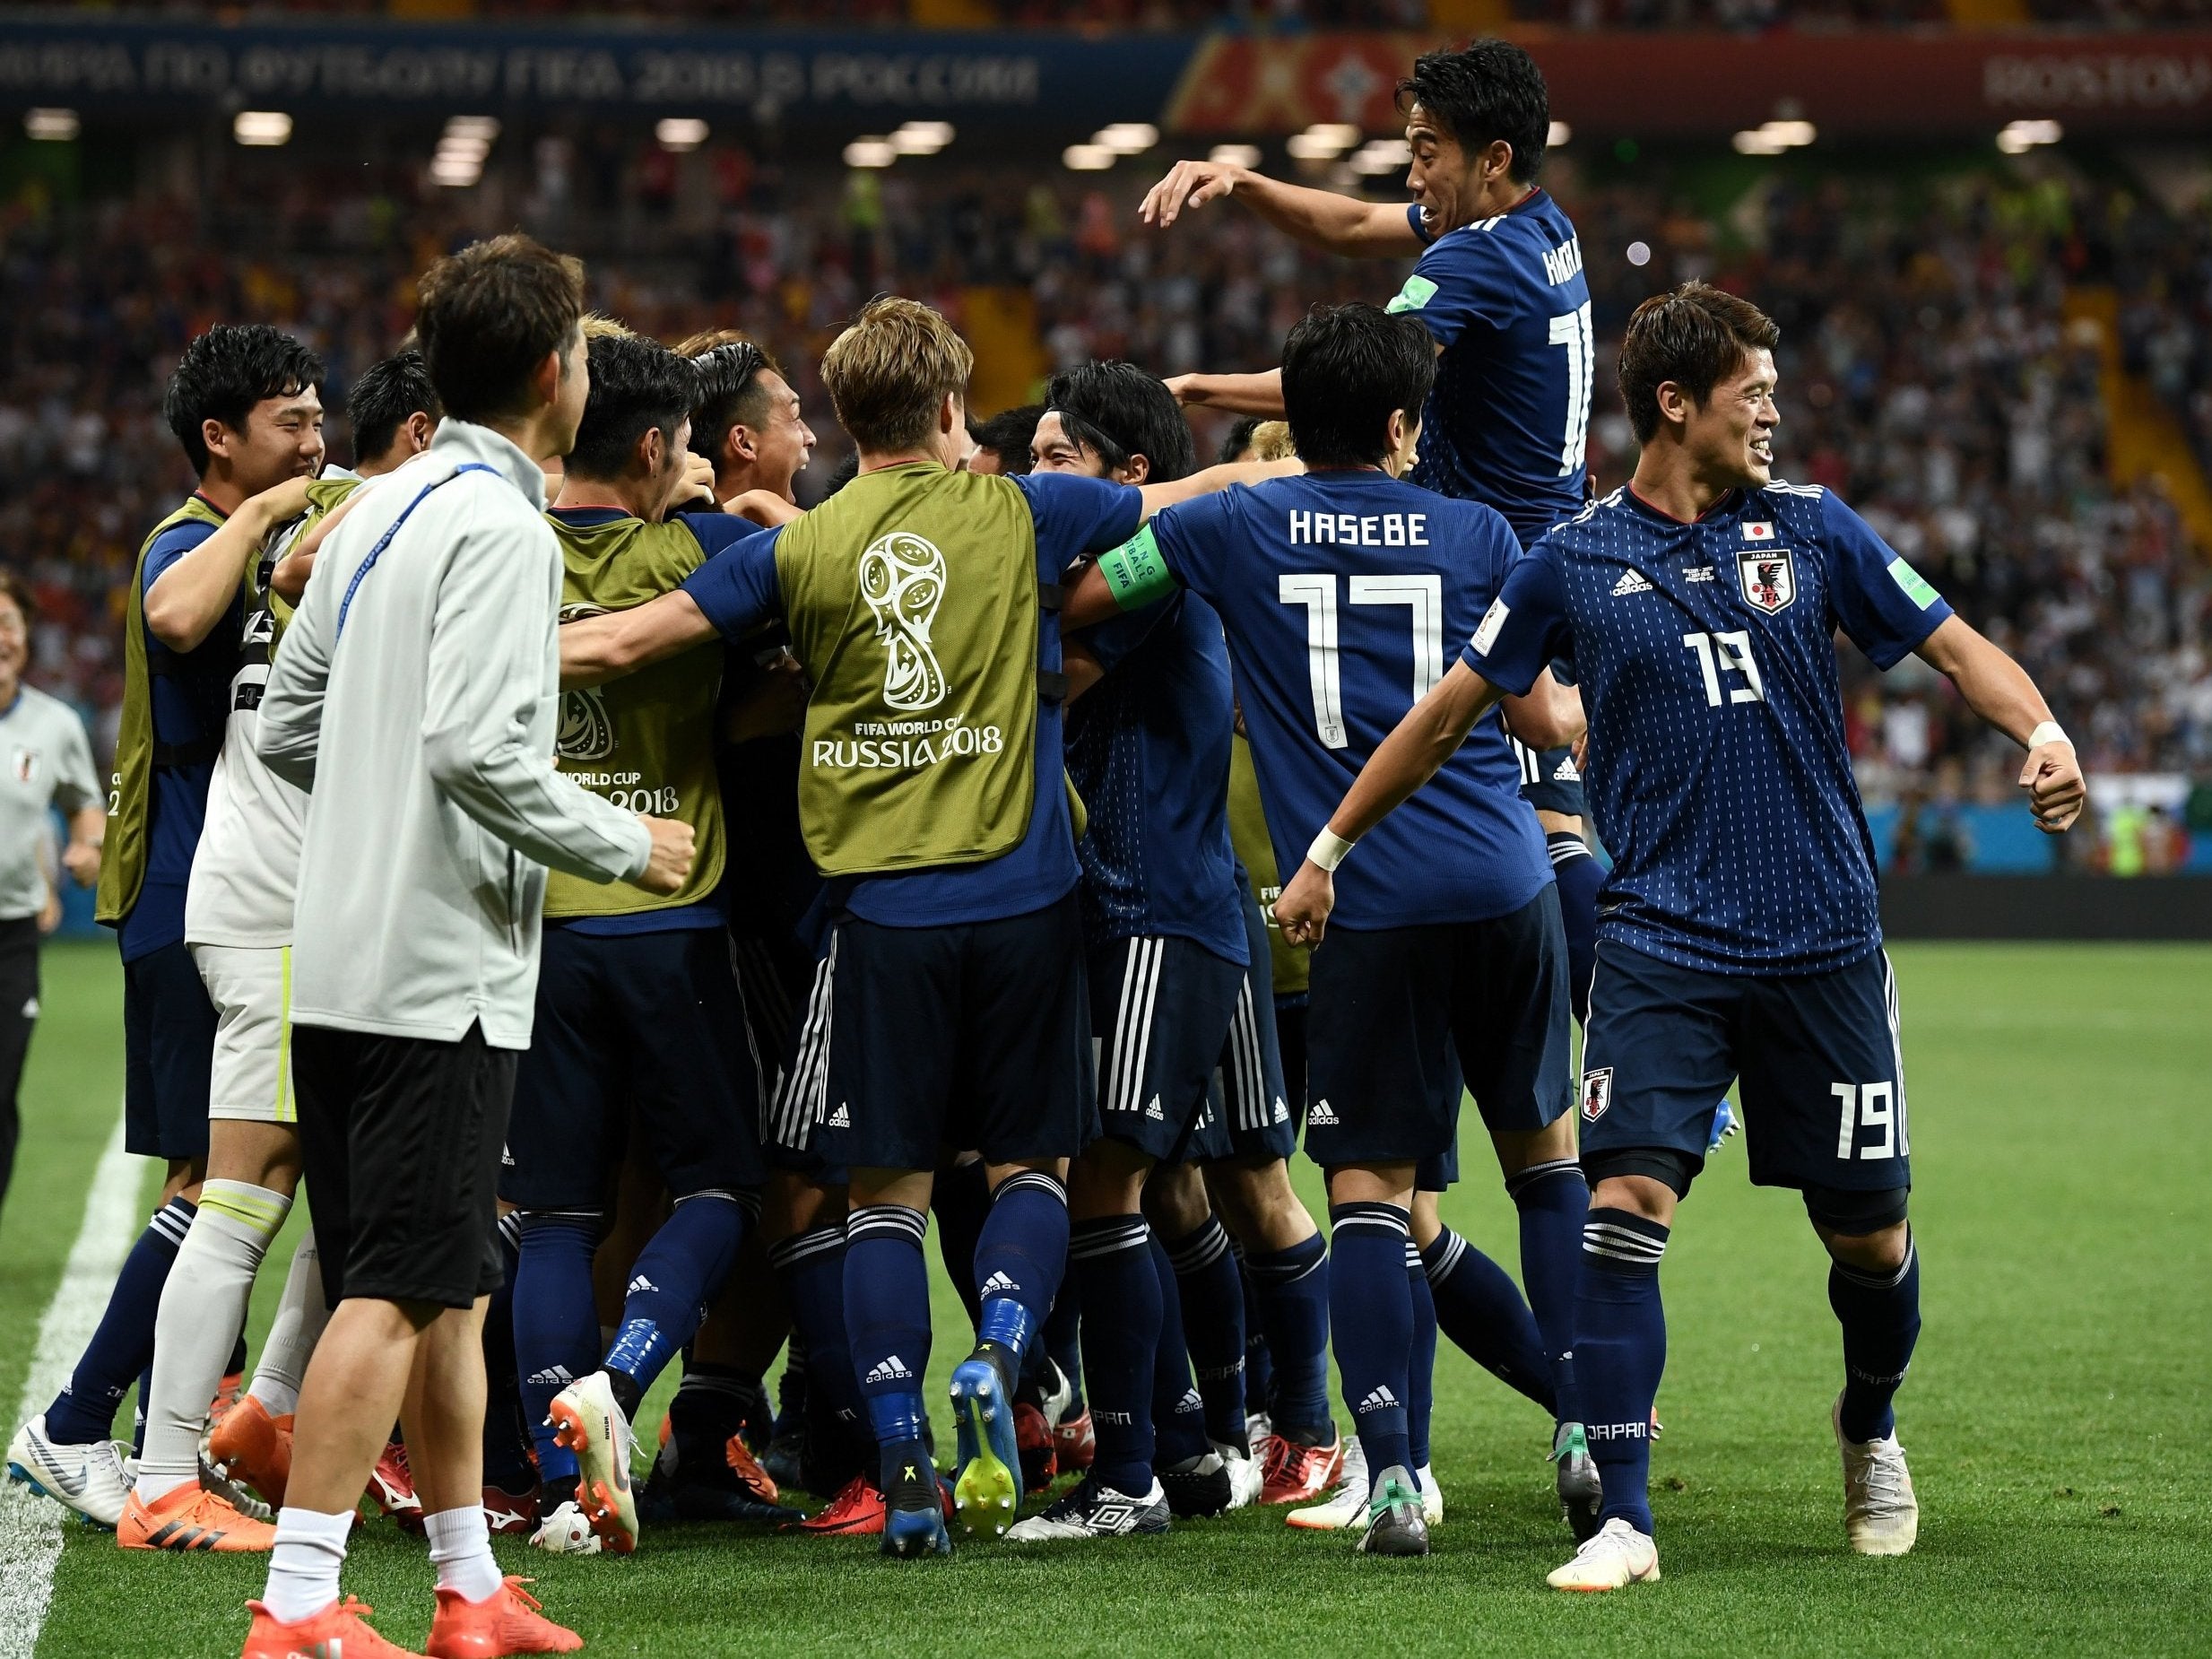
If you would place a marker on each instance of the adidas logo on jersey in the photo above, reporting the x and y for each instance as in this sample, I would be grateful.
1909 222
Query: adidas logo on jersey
999 1284
1153 1112
1698 573
1192 1402
841 1118
1631 582
1379 1399
641 1283
1321 1114
552 1376
891 1370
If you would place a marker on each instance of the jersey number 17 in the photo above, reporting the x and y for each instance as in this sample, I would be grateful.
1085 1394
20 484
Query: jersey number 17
1423 598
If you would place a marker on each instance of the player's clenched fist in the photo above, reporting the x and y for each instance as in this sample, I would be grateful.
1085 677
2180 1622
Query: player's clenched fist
2055 790
1191 184
1302 909
672 848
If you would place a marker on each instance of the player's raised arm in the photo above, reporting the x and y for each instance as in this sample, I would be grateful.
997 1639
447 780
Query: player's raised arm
1335 224
1259 394
597 648
186 600
2000 690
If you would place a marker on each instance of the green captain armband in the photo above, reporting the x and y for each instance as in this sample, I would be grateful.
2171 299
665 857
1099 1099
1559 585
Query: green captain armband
1135 572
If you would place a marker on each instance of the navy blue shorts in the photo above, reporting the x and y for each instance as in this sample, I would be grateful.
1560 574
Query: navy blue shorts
1550 781
974 1035
169 1054
652 1019
1823 1076
1400 1015
781 976
1251 1117
1161 1010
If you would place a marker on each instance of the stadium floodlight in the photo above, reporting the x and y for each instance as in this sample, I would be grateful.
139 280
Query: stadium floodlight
1234 155
1127 137
1378 156
1087 158
1639 254
680 132
1791 135
51 126
922 137
1324 141
2017 138
483 127
262 129
1559 133
1757 141
872 152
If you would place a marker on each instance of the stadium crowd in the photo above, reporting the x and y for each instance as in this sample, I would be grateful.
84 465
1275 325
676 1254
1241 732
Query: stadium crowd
1929 369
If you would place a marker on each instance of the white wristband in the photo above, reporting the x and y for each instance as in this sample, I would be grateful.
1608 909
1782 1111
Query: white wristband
1328 850
2049 731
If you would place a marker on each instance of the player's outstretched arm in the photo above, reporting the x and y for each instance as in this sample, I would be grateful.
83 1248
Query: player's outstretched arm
1336 225
614 643
189 598
1430 734
2000 690
1206 481
1244 395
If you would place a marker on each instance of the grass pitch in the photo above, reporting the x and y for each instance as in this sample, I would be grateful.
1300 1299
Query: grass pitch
2058 1418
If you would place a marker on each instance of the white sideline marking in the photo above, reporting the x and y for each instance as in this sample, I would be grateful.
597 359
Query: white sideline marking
30 1528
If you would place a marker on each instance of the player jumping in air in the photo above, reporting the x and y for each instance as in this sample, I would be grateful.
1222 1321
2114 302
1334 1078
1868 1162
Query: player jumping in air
1741 937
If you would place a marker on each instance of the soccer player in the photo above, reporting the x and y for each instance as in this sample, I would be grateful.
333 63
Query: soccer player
1171 956
1741 936
53 768
237 924
932 802
414 696
244 406
1499 287
636 1002
1338 590
1004 444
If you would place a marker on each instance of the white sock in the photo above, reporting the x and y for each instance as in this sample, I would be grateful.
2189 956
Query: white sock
301 1318
460 1550
202 1309
303 1568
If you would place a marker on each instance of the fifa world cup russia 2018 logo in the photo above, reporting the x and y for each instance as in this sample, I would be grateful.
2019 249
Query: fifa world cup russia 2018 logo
902 576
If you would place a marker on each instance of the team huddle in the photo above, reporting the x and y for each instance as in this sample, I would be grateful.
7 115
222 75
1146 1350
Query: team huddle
635 906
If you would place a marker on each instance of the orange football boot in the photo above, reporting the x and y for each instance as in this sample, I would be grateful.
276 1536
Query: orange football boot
339 1631
510 1623
254 1448
191 1519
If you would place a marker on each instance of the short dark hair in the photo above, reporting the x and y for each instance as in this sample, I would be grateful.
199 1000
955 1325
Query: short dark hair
1695 336
1237 445
843 473
730 394
1008 435
224 373
1345 368
381 401
489 315
1116 410
13 587
1492 90
637 384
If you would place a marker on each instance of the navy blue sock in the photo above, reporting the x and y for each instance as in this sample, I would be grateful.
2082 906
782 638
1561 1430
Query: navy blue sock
1554 1202
1063 1334
1259 1364
811 1265
1620 1352
1881 1314
1421 1366
1293 1287
1213 1306
122 1348
1579 876
961 1198
1371 1323
677 1274
1178 1410
1479 1307
507 1437
556 1326
887 1323
1111 1260
1019 1260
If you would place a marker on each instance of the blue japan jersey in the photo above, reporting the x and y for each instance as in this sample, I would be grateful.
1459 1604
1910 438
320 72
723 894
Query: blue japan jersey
1506 424
1718 769
1338 590
1148 749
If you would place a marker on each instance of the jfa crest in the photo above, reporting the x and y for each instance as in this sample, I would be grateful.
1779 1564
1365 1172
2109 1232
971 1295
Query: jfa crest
1596 1093
1768 579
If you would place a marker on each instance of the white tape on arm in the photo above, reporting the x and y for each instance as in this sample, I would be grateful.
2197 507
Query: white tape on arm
1328 850
2049 731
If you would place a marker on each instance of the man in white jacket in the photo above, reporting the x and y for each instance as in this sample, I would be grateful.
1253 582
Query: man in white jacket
415 695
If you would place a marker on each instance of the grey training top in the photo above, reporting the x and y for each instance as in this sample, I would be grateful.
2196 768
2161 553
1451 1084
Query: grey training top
47 758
